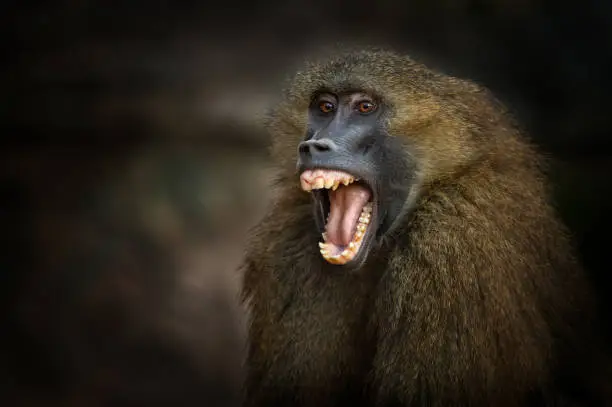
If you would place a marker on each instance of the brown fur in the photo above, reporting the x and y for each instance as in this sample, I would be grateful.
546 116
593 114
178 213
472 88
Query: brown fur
475 299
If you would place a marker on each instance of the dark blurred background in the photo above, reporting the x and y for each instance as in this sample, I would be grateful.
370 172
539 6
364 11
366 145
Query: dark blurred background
132 162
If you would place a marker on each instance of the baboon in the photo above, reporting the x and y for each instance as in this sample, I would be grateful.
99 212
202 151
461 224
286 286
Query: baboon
411 255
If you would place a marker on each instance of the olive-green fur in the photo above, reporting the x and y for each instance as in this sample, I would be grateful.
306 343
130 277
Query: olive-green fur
472 300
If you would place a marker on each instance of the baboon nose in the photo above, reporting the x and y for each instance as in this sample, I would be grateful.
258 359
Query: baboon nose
315 148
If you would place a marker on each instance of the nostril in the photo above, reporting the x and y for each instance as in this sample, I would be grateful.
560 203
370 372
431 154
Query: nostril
320 146
309 147
303 148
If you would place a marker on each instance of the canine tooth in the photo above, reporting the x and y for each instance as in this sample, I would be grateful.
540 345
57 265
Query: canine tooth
306 175
328 183
335 186
322 245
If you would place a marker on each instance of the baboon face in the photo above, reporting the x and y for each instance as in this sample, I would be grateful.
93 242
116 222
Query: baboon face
355 171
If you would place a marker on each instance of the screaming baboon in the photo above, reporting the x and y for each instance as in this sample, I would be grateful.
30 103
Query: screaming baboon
413 257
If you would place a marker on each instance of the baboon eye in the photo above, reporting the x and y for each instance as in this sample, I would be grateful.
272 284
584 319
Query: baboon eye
366 107
326 107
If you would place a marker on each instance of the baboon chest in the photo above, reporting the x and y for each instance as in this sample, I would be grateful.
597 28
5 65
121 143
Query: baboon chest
321 338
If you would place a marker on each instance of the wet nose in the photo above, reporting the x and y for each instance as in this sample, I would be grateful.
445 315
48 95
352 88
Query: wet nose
313 148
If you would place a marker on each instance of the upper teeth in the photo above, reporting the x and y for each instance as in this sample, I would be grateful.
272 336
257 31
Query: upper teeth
318 179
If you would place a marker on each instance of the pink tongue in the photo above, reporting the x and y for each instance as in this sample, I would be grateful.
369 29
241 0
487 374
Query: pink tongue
346 204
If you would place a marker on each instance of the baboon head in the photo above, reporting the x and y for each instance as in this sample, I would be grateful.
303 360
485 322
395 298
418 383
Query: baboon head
370 131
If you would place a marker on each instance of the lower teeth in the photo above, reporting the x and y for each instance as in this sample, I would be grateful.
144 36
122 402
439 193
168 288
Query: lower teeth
353 246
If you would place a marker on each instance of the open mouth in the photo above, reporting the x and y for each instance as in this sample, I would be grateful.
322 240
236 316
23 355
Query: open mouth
345 206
